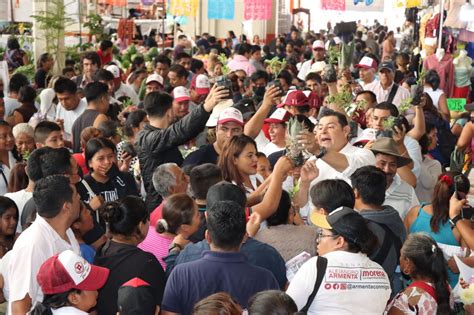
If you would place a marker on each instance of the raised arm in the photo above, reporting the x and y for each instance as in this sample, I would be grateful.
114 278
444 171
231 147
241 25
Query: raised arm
254 125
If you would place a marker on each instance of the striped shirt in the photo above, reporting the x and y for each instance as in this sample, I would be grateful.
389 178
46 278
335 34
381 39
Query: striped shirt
401 196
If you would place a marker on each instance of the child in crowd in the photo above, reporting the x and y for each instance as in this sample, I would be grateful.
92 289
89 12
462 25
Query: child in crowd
49 134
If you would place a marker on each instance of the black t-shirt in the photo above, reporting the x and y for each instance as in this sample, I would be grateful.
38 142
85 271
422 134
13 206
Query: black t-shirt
205 154
126 262
40 79
199 235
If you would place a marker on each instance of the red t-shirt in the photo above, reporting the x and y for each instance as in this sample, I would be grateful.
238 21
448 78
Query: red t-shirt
157 214
104 59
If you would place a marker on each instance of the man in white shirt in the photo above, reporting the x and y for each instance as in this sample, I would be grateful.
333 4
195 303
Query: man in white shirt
387 90
334 157
17 81
58 206
70 104
399 194
367 69
319 54
121 89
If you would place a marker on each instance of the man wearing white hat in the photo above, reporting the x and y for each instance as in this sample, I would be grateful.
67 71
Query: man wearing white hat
181 102
228 122
120 88
319 54
154 83
367 69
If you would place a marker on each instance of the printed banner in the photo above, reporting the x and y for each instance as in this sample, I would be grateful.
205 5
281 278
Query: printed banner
365 5
257 10
335 5
183 7
456 104
220 9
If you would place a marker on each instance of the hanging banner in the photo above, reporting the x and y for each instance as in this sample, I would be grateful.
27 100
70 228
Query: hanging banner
365 5
183 7
220 9
118 3
257 10
334 5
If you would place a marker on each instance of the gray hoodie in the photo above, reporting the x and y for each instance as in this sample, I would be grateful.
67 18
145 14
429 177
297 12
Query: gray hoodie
391 219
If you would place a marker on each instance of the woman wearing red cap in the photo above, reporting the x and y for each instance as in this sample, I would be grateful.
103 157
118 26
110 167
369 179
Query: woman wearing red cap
69 284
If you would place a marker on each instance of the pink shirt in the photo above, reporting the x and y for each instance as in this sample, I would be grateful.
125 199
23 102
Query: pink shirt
445 70
241 63
156 244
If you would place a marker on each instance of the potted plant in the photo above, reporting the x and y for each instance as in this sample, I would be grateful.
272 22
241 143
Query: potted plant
276 67
223 80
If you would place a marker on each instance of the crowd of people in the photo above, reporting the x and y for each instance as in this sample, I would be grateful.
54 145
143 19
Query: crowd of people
212 185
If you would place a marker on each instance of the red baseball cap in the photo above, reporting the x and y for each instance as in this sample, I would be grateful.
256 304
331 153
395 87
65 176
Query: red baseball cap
367 63
66 271
201 84
280 115
294 98
180 93
313 99
230 114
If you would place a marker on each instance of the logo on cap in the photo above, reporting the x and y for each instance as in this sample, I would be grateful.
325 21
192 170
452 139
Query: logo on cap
79 267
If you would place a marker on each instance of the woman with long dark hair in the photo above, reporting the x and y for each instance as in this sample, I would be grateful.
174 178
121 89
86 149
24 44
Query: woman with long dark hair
8 155
238 162
128 222
43 67
433 219
422 259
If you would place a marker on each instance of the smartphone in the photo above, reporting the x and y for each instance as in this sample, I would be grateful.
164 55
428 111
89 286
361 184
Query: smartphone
467 213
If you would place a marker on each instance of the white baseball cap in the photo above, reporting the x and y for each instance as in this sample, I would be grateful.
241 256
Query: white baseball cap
201 84
368 134
155 78
180 93
367 63
115 70
318 44
318 66
280 115
218 109
230 114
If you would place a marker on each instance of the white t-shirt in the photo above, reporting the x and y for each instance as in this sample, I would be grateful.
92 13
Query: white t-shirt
128 91
10 105
382 95
36 244
261 141
305 69
68 310
414 151
6 173
401 196
271 148
435 95
353 284
70 116
20 198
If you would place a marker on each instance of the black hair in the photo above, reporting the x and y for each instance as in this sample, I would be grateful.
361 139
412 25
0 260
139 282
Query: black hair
202 177
124 216
232 34
50 194
162 59
180 71
226 224
182 55
322 195
68 69
242 49
280 216
212 40
255 48
313 76
12 43
109 128
370 182
44 129
133 120
234 193
196 64
388 106
372 96
106 44
95 91
63 85
342 119
428 259
42 59
35 172
177 210
94 145
103 75
56 162
355 230
424 140
5 204
17 81
92 56
432 78
182 36
27 94
285 75
273 302
259 74
54 301
156 104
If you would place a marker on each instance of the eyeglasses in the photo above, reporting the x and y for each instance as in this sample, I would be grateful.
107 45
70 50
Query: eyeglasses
321 236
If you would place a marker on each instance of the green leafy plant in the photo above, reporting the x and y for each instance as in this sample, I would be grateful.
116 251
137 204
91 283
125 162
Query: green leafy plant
52 23
294 150
333 55
27 70
405 105
96 28
225 68
276 65
25 156
388 123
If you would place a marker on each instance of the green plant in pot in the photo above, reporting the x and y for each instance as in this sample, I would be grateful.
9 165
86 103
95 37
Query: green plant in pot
223 80
329 70
294 150
277 66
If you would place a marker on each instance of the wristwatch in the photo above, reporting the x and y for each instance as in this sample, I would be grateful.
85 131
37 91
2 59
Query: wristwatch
174 247
455 220
322 152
